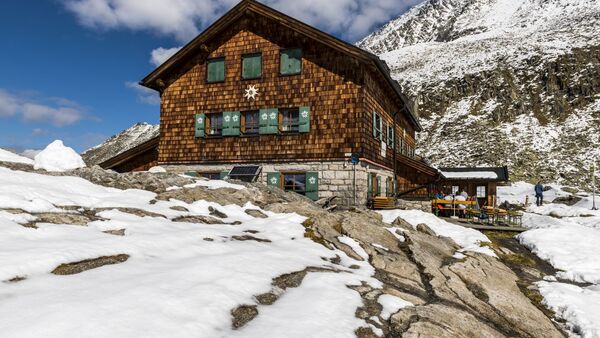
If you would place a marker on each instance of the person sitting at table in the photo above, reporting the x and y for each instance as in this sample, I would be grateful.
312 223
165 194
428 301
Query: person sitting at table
476 207
439 195
462 207
464 194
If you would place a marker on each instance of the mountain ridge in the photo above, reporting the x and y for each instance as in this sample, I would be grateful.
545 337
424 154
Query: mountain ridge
501 82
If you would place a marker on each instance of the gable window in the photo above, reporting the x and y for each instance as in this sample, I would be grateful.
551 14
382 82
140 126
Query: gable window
250 122
290 61
290 120
215 70
251 66
214 124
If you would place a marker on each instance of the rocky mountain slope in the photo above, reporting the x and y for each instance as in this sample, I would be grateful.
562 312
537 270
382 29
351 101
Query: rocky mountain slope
123 141
499 82
243 261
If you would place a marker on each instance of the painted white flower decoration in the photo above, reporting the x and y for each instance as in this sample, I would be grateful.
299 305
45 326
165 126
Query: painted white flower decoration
312 180
235 118
227 118
251 93
304 114
274 180
265 116
200 120
273 116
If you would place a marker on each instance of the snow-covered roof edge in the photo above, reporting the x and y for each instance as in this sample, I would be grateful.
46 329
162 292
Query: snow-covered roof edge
476 173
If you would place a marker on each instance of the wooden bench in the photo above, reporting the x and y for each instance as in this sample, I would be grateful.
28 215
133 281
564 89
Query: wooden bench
384 203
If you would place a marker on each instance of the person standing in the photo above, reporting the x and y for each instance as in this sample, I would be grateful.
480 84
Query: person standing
539 194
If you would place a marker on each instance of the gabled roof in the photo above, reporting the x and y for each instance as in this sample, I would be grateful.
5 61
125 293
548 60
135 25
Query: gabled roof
197 45
476 173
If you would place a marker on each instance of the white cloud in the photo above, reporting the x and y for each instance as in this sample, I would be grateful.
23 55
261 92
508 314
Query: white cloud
160 55
144 95
183 19
8 104
59 112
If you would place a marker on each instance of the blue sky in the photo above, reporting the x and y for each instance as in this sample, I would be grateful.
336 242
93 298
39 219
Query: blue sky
68 68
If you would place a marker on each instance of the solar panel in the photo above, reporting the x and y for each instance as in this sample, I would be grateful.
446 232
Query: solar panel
248 173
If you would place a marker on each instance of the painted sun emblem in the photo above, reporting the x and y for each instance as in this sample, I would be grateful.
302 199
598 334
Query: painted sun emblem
251 92
312 180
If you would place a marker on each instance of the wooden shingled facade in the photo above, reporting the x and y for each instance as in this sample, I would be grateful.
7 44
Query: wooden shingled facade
329 84
347 94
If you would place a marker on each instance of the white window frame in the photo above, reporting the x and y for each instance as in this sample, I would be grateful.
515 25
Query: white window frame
479 188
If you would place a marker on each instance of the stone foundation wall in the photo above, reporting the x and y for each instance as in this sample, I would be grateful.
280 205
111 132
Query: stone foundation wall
335 178
414 205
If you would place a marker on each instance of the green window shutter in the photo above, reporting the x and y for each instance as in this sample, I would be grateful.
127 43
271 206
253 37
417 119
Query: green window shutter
385 127
223 174
369 185
312 185
268 121
252 66
378 185
273 121
200 118
392 137
236 122
291 61
304 119
231 123
263 121
374 124
216 70
380 129
226 122
387 187
274 179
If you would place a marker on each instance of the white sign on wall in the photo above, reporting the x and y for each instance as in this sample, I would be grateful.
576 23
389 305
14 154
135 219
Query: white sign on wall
383 148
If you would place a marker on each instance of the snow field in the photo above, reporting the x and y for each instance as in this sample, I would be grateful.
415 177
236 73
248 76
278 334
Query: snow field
567 237
181 280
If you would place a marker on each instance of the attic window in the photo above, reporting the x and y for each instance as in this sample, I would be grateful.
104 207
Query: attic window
290 61
215 70
251 66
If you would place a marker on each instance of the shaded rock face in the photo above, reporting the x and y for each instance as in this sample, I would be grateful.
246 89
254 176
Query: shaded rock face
544 121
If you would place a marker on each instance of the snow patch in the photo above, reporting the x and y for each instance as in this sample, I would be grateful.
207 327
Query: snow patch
468 239
57 157
391 304
7 156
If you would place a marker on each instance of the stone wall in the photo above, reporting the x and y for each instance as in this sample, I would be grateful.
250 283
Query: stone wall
335 178
414 205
